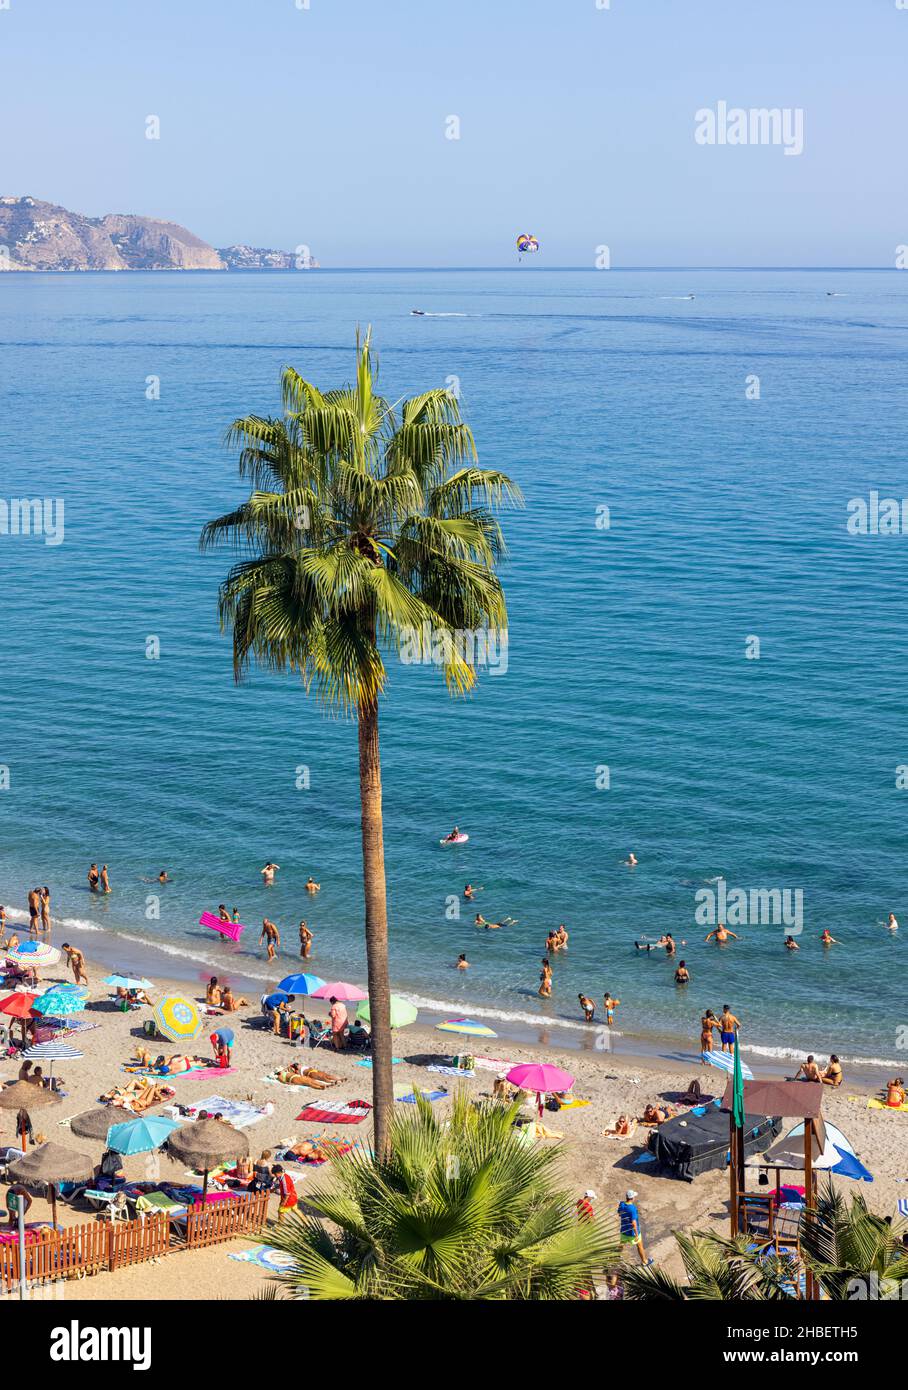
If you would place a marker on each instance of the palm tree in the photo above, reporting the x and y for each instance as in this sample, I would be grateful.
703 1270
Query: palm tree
370 528
846 1244
717 1269
458 1208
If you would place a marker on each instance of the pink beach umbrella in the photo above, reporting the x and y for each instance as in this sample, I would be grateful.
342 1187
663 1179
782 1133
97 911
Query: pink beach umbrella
339 989
540 1077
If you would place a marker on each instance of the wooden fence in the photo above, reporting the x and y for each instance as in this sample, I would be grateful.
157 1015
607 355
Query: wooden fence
111 1245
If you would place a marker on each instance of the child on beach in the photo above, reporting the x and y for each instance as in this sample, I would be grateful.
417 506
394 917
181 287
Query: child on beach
610 1005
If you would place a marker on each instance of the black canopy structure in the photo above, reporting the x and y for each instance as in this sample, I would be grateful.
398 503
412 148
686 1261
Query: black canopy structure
692 1144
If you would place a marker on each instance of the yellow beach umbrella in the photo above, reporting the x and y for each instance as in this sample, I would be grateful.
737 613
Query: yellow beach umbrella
178 1018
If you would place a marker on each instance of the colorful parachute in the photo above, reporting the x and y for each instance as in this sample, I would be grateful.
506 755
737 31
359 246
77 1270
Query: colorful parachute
527 244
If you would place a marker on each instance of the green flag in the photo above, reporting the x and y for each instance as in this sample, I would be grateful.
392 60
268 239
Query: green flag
738 1088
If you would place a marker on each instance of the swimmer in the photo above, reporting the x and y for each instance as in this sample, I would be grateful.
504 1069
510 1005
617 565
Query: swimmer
632 861
664 941
105 879
164 877
268 873
682 974
892 924
588 1007
551 942
545 979
791 944
470 892
827 938
462 963
480 921
93 877
311 886
721 935
561 938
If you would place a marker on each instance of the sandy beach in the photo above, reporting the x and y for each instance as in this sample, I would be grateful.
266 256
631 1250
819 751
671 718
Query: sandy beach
613 1082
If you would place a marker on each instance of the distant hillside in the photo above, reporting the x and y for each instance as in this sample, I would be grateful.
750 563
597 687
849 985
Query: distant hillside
42 236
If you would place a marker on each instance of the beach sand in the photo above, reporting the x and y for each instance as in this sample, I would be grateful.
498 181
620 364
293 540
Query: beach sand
611 1082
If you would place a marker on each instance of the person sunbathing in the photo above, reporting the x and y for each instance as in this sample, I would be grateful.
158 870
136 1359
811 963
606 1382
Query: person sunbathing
833 1076
655 1115
895 1093
229 1003
625 1125
295 1075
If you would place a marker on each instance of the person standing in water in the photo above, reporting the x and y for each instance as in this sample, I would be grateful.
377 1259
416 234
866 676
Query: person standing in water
610 1005
892 924
305 941
268 873
708 1024
545 979
721 935
93 877
45 908
271 935
588 1007
105 879
462 963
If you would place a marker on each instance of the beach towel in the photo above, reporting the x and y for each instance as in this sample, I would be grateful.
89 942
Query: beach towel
903 1206
367 1061
275 1261
238 1113
874 1104
493 1063
336 1112
199 1072
571 1103
410 1099
451 1071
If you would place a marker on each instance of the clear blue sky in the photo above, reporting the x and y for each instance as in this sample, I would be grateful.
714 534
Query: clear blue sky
325 126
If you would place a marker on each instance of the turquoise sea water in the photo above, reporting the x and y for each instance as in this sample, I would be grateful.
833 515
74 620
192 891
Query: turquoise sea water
627 644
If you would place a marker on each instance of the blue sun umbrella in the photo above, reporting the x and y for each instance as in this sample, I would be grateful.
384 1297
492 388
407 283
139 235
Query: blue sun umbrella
140 1136
300 984
59 1002
127 982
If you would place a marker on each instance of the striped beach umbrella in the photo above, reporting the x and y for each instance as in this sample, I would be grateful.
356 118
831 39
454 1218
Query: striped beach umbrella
466 1025
402 1012
34 953
52 1051
178 1018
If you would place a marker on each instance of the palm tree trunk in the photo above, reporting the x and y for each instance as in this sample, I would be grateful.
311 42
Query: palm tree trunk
376 921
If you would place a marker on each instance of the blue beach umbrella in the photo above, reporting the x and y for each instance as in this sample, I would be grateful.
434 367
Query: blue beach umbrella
59 1002
126 982
300 984
140 1136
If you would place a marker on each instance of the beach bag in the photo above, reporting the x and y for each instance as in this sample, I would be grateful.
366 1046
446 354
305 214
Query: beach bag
149 1028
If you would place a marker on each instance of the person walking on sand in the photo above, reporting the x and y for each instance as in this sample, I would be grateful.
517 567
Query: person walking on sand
631 1230
728 1027
45 908
76 961
93 878
105 879
268 873
271 935
305 941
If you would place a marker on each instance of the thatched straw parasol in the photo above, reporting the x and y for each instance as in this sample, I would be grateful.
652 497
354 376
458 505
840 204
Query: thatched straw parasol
94 1124
205 1144
25 1095
50 1164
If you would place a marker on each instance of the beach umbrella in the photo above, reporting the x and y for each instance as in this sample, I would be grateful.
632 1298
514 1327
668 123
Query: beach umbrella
301 984
179 1019
19 1006
540 1077
142 1135
402 1012
61 1001
52 1164
35 953
466 1025
205 1144
126 982
94 1124
25 1095
52 1051
725 1062
838 1155
339 989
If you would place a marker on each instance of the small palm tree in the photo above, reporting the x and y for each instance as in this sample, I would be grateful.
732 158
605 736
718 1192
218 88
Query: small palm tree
370 529
463 1208
717 1269
845 1244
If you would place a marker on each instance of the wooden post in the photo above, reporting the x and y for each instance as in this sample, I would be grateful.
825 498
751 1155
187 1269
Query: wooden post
733 1173
810 1289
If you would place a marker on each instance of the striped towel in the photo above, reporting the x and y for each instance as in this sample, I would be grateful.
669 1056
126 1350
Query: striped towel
336 1112
903 1206
451 1071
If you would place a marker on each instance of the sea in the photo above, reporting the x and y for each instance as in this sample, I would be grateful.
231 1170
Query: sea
708 618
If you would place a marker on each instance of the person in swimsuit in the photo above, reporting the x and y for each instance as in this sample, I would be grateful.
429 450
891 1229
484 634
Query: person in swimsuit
682 974
462 963
561 938
631 861
470 892
721 934
271 935
311 886
213 993
268 873
545 979
665 941
728 1027
588 1007
223 914
892 924
235 915
832 1076
827 938
45 908
808 1071
791 944
610 1005
76 962
305 941
163 876
34 909
452 836
895 1093
93 877
105 879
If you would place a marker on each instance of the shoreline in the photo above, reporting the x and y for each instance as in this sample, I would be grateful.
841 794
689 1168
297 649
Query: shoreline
127 953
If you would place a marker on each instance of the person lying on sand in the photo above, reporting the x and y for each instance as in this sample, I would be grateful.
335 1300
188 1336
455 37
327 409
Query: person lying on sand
655 1115
295 1075
625 1126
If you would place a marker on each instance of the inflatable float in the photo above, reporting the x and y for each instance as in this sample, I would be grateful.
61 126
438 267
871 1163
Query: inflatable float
454 840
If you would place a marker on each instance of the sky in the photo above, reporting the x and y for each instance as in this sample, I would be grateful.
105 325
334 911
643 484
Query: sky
327 126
